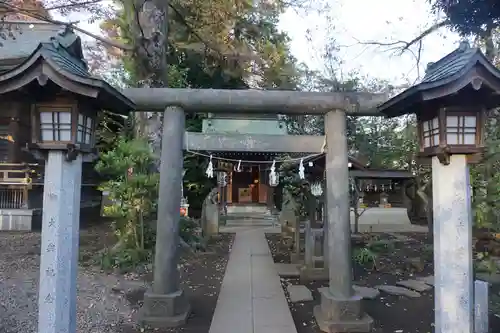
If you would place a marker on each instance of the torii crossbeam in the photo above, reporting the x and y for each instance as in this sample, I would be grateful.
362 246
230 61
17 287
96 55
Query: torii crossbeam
255 101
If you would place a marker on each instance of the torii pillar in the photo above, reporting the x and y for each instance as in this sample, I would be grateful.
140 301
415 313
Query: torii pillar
340 309
166 304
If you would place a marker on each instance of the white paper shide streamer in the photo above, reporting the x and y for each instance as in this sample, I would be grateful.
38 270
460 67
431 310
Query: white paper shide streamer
301 169
273 177
210 169
238 168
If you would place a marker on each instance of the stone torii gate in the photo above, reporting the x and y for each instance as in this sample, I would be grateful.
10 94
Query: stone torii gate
165 305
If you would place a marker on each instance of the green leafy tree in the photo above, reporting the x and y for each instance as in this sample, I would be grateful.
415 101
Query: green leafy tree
133 189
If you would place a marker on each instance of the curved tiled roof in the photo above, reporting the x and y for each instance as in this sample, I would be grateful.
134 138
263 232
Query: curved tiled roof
64 57
448 69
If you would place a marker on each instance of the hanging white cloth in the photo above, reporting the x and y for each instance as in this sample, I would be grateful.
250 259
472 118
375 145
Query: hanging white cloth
210 169
273 177
301 169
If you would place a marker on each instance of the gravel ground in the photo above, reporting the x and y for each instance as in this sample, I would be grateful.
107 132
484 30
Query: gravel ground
392 314
107 303
102 304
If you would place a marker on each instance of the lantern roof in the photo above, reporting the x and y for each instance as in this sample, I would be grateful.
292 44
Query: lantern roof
61 61
465 70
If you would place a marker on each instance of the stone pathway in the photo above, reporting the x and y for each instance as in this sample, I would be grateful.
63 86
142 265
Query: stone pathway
414 285
299 293
288 270
398 291
366 292
251 299
409 288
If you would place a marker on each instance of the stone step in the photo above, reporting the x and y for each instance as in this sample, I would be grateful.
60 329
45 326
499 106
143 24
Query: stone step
251 216
247 222
247 209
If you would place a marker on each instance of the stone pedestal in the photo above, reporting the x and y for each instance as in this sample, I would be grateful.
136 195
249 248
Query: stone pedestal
59 248
335 315
165 310
453 266
313 268
481 306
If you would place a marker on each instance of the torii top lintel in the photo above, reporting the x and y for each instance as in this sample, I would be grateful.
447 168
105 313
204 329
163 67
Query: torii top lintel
255 101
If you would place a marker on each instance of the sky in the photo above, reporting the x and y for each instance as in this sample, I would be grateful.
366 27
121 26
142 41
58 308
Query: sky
358 21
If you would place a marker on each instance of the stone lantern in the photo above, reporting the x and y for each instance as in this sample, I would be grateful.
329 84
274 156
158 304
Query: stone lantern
57 102
450 104
451 129
384 200
64 127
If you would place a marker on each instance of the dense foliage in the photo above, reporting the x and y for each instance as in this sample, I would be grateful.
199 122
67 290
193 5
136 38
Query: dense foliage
133 191
470 17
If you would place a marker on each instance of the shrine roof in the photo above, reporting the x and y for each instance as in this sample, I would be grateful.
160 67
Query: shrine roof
446 77
60 56
451 64
61 61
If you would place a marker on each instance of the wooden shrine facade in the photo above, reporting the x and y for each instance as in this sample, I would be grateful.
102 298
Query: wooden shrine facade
249 185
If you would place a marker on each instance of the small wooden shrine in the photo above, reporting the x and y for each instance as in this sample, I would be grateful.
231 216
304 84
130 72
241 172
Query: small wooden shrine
247 183
372 184
47 95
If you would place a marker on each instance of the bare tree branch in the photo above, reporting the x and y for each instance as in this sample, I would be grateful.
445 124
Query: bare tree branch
74 5
68 24
426 32
400 46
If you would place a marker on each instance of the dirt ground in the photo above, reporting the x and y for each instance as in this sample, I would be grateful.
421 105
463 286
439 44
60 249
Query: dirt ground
201 279
404 260
107 303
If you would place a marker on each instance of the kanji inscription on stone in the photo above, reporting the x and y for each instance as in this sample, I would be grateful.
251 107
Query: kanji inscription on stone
50 272
51 247
49 299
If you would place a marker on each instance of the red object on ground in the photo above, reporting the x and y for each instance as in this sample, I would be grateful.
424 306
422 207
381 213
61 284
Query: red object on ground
183 211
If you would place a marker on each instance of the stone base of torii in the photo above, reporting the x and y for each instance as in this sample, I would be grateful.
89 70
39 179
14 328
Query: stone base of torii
166 305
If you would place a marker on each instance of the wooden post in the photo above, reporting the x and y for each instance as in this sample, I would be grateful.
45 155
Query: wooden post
454 293
166 305
340 310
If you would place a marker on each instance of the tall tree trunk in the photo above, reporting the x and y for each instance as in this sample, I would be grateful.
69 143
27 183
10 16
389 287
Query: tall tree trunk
151 30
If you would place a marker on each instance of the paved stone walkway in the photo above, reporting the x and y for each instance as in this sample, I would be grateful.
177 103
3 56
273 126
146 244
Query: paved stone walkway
251 299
